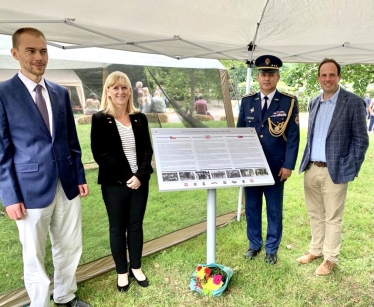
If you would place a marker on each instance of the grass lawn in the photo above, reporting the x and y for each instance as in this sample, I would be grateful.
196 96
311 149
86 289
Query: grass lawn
287 284
254 283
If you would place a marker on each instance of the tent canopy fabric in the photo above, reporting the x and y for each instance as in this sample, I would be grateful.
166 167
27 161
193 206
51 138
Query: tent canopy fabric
100 57
296 31
62 62
63 77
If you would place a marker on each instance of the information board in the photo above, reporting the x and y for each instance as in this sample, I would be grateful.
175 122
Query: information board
209 158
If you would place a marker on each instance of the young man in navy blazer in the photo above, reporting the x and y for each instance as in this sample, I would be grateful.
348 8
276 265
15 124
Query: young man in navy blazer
41 173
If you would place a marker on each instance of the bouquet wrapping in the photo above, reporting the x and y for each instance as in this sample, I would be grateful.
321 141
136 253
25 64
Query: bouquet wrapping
210 279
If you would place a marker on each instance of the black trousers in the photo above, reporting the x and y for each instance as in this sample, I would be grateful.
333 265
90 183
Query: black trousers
126 209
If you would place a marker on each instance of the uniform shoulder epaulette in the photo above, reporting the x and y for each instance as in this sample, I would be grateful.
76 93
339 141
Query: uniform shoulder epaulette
250 94
288 94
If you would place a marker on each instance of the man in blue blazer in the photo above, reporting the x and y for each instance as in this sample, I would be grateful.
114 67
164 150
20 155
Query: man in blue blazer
41 173
275 117
336 145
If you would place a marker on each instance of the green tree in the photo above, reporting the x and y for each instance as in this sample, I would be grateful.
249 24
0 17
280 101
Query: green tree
304 79
237 70
304 76
360 76
181 84
238 77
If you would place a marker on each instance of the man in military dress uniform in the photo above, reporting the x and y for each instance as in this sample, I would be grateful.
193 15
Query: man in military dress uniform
275 117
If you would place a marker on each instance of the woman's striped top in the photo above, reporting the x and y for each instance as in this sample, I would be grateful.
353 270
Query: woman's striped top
128 144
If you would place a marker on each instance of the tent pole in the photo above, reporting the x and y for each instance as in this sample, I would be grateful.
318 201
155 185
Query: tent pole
249 80
247 90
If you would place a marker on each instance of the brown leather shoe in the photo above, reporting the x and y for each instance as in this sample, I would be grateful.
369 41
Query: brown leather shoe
307 258
325 268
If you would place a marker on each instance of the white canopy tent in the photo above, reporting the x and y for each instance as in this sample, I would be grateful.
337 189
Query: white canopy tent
296 31
100 57
62 62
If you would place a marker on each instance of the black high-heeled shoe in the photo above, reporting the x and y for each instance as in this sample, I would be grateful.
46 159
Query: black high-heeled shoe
143 283
123 288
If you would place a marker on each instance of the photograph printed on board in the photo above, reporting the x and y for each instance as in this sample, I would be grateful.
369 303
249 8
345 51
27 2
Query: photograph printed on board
186 176
247 172
233 173
202 175
261 172
169 177
218 174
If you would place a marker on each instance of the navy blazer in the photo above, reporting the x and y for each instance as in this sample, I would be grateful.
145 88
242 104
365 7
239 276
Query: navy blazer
347 139
107 150
31 159
279 153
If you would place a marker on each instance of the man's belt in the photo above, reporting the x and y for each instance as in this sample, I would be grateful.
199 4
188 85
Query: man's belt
319 163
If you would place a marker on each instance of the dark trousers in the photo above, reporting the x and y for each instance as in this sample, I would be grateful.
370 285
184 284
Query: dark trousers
126 209
371 123
253 211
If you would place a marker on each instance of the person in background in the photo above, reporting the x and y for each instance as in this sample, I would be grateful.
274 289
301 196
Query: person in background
275 117
210 115
197 93
367 103
136 91
41 173
147 100
333 155
157 90
162 95
201 107
121 146
92 104
140 101
371 116
158 103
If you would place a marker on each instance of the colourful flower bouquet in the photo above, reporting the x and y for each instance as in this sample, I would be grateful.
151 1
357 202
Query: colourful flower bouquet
211 279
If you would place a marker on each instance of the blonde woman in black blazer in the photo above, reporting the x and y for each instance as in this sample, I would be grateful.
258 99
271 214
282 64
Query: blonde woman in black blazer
122 148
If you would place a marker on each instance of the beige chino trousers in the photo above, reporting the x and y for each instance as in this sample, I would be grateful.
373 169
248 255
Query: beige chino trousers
325 205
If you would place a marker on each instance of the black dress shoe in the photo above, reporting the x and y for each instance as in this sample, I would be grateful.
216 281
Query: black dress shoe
143 283
251 253
123 288
75 302
271 258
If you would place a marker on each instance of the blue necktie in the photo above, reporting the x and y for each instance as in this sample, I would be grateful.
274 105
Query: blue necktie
265 107
41 104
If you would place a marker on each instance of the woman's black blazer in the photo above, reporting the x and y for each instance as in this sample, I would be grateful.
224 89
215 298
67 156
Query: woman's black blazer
106 146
